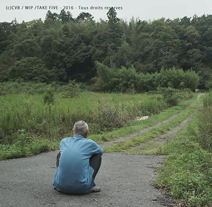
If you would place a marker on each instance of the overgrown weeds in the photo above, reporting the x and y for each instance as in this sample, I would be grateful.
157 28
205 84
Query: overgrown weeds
48 115
188 170
26 145
103 112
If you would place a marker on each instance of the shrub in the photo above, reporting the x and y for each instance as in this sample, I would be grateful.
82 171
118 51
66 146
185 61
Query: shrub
170 95
71 90
49 96
191 80
178 79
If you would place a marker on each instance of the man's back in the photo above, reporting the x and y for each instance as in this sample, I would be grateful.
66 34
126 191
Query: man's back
74 174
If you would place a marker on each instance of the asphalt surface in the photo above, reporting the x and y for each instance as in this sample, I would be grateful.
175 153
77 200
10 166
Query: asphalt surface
125 180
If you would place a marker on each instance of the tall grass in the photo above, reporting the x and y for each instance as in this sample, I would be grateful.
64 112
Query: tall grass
103 112
35 117
204 137
41 118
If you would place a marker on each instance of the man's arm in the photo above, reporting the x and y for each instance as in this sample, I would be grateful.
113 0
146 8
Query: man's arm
95 148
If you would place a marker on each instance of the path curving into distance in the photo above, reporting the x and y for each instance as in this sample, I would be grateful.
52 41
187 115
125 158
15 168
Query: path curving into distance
110 143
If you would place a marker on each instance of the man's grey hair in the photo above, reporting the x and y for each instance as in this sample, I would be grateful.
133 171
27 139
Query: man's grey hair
80 127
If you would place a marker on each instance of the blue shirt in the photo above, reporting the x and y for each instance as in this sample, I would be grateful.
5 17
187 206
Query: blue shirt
74 173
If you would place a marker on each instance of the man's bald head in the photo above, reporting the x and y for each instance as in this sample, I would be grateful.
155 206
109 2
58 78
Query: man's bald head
81 127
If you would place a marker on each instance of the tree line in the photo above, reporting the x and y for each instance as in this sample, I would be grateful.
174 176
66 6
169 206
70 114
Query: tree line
63 48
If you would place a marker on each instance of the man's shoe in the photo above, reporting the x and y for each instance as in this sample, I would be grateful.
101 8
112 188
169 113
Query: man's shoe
95 189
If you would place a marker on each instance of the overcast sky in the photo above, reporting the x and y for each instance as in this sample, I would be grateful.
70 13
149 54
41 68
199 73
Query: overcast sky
142 9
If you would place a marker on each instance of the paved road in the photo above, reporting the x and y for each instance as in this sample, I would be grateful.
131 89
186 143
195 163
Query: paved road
125 180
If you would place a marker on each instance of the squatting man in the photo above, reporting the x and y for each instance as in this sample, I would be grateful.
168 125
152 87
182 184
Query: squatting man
78 162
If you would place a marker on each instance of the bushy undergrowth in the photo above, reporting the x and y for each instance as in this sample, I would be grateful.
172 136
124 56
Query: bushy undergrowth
103 112
170 95
26 145
69 90
187 172
121 80
50 115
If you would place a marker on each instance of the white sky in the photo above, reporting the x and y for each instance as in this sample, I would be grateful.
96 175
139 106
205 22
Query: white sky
142 9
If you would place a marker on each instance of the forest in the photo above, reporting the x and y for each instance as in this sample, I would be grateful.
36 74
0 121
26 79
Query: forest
63 48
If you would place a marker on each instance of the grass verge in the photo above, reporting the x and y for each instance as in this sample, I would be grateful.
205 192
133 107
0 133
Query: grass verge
187 172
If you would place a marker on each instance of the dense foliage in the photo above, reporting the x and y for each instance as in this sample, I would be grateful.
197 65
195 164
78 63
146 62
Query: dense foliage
61 47
128 80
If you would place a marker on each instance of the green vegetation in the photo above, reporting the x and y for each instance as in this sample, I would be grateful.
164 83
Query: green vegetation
187 173
50 69
128 80
136 53
152 133
26 145
48 115
135 126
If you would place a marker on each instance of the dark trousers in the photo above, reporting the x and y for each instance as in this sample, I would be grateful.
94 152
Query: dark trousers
95 162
